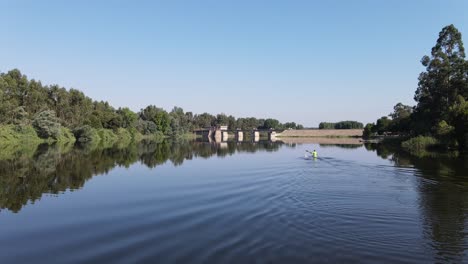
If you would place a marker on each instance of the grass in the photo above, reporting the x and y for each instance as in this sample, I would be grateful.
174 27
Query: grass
18 135
419 144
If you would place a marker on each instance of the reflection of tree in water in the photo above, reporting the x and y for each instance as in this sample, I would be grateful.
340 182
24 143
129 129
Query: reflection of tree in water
344 146
442 182
54 169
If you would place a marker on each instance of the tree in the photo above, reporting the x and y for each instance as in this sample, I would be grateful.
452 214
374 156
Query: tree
368 130
401 111
231 122
444 79
271 123
290 125
401 118
382 125
326 125
222 119
459 119
128 117
204 120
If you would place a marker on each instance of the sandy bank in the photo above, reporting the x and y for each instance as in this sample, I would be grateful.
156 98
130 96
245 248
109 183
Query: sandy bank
321 133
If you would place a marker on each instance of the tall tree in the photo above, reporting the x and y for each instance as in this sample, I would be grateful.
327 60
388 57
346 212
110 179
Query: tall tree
444 79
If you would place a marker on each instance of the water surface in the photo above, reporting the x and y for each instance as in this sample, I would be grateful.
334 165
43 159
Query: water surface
232 202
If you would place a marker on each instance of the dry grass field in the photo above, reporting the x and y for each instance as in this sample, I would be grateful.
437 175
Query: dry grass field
321 140
321 133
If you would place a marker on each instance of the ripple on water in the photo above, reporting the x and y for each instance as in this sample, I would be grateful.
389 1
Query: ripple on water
287 211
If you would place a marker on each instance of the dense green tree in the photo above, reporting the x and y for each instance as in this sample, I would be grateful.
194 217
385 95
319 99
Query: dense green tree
341 125
290 125
127 117
271 123
204 120
459 118
349 125
326 125
368 130
222 119
401 118
445 78
382 125
231 122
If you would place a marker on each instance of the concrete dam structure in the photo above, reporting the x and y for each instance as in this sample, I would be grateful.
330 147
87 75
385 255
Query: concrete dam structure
222 134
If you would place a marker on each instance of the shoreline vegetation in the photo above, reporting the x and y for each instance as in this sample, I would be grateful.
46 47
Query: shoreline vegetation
31 113
439 120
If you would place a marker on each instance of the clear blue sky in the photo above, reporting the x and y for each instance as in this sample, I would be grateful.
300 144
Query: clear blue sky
303 61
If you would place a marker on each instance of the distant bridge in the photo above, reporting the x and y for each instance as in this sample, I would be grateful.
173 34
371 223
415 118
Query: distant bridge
221 133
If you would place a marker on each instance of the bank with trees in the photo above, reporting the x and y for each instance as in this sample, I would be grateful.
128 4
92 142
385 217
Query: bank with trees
440 117
31 112
341 125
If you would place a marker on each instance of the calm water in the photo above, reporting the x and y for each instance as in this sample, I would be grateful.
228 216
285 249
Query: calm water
231 203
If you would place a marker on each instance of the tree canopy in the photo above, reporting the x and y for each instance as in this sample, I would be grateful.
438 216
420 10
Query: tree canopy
49 108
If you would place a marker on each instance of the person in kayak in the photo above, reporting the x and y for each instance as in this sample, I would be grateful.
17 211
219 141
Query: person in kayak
314 154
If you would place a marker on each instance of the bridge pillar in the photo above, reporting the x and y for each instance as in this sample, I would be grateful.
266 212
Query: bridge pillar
255 135
225 135
218 135
272 135
239 135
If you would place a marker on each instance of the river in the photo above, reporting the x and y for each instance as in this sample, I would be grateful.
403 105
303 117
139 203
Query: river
199 202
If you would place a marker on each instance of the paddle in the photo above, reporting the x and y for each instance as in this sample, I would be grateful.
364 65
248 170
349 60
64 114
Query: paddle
310 153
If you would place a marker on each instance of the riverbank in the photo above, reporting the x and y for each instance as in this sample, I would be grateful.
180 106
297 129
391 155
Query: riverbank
321 140
321 133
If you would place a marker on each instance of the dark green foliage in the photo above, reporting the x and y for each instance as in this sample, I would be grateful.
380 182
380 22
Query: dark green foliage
326 125
341 125
401 118
368 130
47 125
443 81
204 120
271 123
222 119
458 115
86 134
383 125
349 125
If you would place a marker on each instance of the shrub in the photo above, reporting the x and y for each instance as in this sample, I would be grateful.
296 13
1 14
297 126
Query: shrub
47 125
419 144
106 136
66 136
16 135
86 134
124 135
136 135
